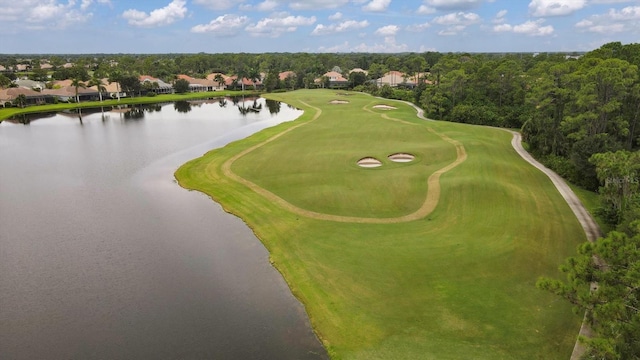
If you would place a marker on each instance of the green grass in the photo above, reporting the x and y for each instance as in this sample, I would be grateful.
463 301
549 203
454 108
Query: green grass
6 113
458 283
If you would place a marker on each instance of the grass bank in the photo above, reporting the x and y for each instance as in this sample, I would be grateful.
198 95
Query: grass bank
6 113
456 283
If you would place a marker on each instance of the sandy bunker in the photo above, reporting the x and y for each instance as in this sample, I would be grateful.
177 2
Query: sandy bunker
384 107
401 157
369 162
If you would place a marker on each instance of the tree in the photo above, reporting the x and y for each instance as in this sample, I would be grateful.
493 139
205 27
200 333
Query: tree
99 84
271 81
77 83
181 86
115 77
219 79
20 101
612 266
4 81
619 174
357 78
254 75
130 84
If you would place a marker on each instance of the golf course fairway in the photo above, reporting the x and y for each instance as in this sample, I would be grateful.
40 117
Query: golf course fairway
432 257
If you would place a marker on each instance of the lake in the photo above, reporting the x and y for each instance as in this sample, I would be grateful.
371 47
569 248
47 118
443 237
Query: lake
104 256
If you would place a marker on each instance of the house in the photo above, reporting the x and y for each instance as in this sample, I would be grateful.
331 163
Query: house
30 84
395 79
287 74
157 86
68 93
33 97
113 90
199 85
219 85
232 82
334 80
359 70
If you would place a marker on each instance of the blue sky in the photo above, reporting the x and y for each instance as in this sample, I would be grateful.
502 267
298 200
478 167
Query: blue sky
214 26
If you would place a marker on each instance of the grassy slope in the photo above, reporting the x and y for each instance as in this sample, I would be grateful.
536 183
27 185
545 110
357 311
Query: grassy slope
457 284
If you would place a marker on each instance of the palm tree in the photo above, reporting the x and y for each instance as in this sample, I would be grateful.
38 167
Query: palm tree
77 83
97 82
241 73
115 77
254 75
219 79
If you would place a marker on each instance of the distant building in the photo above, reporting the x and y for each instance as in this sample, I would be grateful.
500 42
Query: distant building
199 85
32 97
334 80
157 86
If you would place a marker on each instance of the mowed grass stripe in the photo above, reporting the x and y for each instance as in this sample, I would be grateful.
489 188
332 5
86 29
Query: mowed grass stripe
429 203
458 283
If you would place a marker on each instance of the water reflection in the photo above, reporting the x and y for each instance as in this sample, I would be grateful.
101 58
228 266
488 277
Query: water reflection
245 105
134 113
182 106
116 261
273 106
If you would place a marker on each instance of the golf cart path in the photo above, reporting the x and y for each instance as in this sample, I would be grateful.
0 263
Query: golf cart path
589 225
429 204
591 228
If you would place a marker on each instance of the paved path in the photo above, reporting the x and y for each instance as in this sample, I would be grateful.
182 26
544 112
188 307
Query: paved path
591 228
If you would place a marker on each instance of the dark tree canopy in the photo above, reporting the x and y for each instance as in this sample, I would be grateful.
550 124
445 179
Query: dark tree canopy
181 86
612 304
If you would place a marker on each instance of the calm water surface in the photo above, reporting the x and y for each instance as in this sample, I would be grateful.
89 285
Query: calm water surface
104 256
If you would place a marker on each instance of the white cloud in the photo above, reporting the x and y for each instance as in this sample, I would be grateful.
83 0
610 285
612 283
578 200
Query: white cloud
614 21
389 30
499 19
452 30
427 49
169 14
530 28
418 27
377 5
544 8
448 5
459 18
316 4
218 4
610 1
281 23
340 27
43 14
224 25
389 45
426 10
267 5
336 16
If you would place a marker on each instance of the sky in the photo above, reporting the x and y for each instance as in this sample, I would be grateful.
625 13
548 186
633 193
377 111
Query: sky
314 26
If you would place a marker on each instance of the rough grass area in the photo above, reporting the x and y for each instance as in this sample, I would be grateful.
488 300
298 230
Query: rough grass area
456 283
